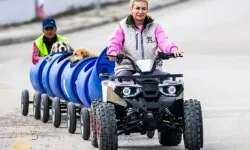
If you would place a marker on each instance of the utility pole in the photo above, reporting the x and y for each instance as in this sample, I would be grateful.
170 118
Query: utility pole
98 7
36 9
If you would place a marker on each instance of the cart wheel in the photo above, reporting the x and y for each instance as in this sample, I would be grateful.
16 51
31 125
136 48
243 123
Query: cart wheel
71 117
25 102
85 123
45 108
37 105
150 134
56 112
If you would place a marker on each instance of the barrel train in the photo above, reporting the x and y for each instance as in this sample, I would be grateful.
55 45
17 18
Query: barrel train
65 87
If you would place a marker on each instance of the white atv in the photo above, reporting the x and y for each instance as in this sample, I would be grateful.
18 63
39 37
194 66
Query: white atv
143 103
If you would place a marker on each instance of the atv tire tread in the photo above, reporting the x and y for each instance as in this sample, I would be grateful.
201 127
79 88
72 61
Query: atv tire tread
93 133
107 130
193 130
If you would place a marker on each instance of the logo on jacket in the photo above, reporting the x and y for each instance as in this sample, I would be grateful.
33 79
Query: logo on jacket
150 39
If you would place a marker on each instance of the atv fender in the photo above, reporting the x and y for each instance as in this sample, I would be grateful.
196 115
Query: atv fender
181 96
108 94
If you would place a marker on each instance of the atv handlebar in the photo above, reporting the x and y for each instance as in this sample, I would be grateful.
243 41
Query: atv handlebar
161 56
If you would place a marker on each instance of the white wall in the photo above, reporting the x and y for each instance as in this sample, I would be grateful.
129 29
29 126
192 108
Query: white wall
16 11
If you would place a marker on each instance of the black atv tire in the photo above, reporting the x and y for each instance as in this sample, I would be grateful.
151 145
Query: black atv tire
44 108
85 123
150 134
169 138
106 127
193 121
25 102
93 134
71 117
56 112
37 105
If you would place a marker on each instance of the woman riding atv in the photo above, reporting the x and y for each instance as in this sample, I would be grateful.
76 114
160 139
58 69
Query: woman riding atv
139 36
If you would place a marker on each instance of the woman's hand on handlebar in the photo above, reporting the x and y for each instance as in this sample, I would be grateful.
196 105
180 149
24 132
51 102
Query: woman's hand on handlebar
177 53
112 56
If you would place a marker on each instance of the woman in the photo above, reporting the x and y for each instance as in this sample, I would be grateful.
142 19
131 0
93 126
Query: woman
139 37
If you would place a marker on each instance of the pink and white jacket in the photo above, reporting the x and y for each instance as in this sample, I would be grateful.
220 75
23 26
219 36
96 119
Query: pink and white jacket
138 42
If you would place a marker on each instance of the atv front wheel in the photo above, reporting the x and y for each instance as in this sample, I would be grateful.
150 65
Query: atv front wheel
93 132
193 129
106 127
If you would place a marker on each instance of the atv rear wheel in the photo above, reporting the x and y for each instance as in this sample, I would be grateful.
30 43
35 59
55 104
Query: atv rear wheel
150 134
106 127
193 129
169 138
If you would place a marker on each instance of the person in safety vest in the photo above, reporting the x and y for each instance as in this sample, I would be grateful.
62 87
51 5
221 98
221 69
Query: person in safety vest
42 45
140 37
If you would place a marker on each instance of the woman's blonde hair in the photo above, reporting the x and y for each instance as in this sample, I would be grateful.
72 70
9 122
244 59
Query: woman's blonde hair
132 2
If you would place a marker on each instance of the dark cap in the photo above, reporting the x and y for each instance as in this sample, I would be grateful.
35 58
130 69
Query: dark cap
49 23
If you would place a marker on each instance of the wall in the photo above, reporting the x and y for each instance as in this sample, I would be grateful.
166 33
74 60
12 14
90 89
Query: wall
16 11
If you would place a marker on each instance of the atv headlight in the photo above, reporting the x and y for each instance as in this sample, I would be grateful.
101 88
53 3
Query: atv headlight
126 91
171 90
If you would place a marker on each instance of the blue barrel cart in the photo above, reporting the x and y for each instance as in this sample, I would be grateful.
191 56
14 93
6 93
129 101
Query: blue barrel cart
68 88
42 75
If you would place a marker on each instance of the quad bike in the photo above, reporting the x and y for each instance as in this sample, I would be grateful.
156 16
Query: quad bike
144 103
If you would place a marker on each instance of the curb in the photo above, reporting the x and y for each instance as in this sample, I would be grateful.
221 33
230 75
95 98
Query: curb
9 41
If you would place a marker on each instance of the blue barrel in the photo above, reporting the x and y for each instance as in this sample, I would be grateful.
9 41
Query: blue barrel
55 74
36 75
102 65
45 74
69 77
82 83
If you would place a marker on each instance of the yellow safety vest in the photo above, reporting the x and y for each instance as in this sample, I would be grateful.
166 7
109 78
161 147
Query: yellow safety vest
42 47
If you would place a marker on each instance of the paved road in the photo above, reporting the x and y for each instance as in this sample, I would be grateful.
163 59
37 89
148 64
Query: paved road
215 37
